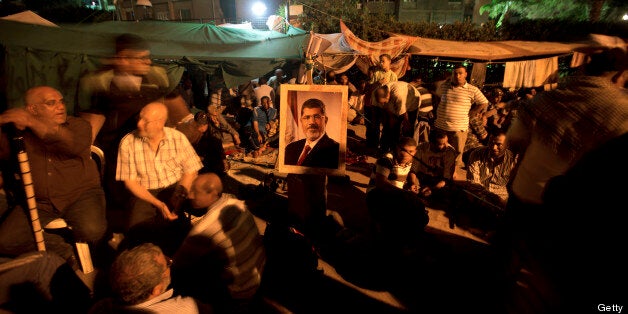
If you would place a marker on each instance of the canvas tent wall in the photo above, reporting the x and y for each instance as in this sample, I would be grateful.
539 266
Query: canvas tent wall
59 56
527 63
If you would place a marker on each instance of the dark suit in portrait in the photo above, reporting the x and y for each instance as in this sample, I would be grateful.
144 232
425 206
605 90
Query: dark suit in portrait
324 155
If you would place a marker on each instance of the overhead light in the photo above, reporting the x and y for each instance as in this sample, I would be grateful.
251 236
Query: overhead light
258 8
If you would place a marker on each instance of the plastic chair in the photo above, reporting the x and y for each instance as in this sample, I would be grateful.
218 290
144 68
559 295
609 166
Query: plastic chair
99 157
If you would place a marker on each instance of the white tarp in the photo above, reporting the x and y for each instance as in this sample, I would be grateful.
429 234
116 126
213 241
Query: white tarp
29 17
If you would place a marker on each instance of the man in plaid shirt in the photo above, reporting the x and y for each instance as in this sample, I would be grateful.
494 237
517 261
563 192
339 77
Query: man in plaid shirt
157 164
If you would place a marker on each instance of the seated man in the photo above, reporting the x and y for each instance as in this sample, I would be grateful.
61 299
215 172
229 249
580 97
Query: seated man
396 211
209 148
140 283
66 180
434 165
45 282
157 165
219 126
222 259
267 121
491 166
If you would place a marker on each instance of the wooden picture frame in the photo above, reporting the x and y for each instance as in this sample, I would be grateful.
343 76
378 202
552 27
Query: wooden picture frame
293 133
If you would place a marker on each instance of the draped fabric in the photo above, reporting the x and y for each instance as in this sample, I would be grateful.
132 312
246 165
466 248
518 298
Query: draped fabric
478 74
395 46
341 51
531 73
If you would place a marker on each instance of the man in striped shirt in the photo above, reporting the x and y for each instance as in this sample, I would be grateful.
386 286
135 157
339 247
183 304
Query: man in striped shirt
155 163
458 101
222 259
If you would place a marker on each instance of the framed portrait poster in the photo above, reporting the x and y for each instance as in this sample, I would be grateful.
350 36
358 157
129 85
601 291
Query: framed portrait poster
313 129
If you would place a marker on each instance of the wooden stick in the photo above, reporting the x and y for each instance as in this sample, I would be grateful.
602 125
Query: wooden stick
27 180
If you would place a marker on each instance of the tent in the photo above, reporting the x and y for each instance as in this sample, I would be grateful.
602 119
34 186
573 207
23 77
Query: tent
59 56
528 63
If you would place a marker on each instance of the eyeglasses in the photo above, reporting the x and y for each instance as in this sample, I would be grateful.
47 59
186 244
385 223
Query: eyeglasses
316 117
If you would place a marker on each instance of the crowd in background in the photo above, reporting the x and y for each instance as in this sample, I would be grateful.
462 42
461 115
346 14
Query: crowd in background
445 143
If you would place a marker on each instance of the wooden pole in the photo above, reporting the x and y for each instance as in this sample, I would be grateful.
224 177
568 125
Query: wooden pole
27 180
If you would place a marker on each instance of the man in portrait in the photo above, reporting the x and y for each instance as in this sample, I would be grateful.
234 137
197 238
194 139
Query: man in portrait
316 149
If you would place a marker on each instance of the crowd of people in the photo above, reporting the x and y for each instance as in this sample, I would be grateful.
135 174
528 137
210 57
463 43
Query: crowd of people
165 163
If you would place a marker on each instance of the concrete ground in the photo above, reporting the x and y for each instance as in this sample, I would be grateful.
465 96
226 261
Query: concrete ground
453 270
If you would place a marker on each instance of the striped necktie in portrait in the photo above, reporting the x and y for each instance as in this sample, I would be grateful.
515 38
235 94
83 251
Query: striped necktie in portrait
304 154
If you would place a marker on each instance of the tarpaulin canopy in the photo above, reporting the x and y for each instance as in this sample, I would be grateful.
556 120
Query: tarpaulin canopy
29 17
59 56
340 51
490 51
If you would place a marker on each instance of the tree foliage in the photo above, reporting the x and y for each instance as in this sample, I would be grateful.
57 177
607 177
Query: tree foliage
57 11
542 20
564 10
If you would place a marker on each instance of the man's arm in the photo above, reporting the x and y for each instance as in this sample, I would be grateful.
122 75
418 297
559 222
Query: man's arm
143 194
70 139
412 183
479 101
473 171
226 126
449 164
382 171
187 179
476 108
256 129
96 120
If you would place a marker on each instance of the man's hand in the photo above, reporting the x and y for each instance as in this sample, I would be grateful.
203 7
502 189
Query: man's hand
426 191
177 198
18 116
440 184
414 189
168 215
236 140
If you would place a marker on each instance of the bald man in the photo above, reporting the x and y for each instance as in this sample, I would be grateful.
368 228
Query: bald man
222 259
156 163
66 180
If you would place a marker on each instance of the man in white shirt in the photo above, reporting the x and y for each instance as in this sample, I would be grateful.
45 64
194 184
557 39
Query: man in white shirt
458 101
156 164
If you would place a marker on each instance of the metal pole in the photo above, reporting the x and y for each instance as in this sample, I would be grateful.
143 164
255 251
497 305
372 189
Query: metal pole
288 12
